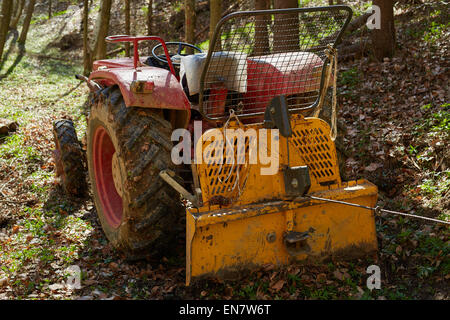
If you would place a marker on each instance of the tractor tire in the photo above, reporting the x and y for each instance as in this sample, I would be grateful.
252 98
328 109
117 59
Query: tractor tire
69 158
127 147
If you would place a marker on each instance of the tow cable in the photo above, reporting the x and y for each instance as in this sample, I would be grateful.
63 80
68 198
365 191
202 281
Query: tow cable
378 210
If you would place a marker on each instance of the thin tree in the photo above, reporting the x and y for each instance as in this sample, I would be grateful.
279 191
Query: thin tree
17 14
87 53
150 17
14 11
133 13
15 7
7 8
286 27
102 30
149 22
127 26
26 22
190 18
215 11
261 33
383 39
49 9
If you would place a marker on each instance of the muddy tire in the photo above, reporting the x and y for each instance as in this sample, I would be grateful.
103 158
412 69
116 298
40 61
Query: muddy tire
69 158
126 149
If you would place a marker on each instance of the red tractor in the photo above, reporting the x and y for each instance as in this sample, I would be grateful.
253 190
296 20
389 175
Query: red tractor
263 70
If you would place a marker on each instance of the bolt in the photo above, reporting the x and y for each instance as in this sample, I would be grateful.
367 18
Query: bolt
272 110
271 237
294 183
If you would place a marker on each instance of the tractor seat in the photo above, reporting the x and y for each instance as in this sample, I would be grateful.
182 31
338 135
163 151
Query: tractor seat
225 68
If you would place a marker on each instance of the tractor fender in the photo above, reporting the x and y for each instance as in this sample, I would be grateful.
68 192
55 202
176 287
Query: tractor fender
166 93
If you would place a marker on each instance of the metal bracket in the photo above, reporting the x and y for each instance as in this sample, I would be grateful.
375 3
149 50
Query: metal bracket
296 242
93 86
168 176
277 116
296 180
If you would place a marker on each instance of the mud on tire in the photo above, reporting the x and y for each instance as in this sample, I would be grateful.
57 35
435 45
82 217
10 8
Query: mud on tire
69 158
151 214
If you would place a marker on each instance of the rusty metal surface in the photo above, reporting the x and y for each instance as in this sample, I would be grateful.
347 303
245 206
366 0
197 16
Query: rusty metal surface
258 225
166 94
226 184
223 241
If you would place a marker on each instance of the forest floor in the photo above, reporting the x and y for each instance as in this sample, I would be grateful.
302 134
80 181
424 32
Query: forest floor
397 118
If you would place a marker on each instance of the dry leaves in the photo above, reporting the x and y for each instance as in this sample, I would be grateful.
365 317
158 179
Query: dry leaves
278 285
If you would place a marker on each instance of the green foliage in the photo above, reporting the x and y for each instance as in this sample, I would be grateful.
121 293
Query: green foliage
435 32
204 45
437 122
14 147
438 184
349 77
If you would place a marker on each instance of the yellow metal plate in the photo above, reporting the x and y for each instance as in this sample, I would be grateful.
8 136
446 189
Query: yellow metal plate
254 223
240 184
225 241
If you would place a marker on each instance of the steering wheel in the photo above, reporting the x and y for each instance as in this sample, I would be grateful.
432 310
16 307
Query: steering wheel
175 58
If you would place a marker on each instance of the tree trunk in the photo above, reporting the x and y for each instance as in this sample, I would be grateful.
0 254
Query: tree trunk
149 23
127 26
49 9
26 22
133 13
102 30
215 10
150 17
87 53
17 14
383 39
189 16
15 7
7 8
261 33
286 27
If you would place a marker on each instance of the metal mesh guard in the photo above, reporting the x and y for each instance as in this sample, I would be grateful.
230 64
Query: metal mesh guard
311 141
223 180
310 145
257 55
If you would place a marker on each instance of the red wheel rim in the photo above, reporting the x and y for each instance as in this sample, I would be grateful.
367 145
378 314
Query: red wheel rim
111 201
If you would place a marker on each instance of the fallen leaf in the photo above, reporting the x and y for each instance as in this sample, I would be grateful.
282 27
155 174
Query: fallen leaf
56 286
338 275
154 289
278 285
113 265
373 166
268 267
3 282
321 277
89 282
228 291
